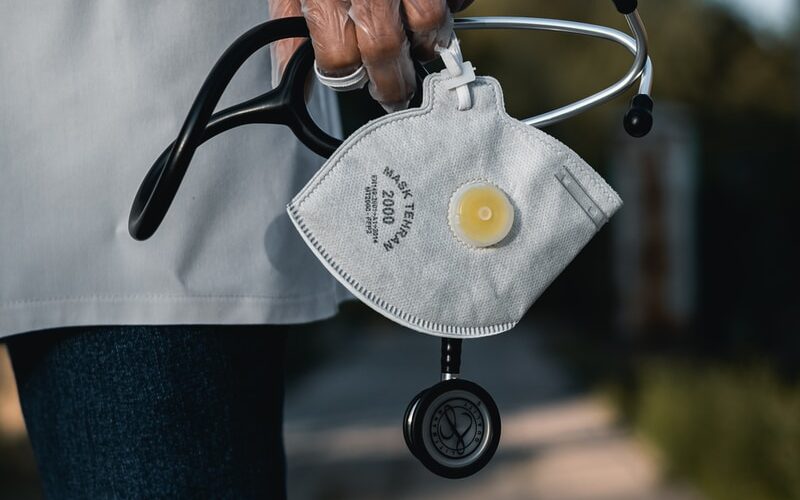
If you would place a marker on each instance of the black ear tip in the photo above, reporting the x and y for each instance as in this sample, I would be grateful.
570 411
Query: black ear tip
626 6
638 122
639 119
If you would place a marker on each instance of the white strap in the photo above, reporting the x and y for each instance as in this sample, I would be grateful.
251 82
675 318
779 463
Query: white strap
461 73
354 81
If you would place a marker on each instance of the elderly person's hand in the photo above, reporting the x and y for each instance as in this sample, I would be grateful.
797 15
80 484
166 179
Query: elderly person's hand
349 33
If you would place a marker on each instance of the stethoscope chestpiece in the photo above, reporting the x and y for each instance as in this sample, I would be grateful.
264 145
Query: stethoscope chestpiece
453 427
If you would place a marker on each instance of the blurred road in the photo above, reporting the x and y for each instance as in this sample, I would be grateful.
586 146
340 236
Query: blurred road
344 440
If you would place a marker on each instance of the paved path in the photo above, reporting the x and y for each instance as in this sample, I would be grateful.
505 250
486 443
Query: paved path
344 440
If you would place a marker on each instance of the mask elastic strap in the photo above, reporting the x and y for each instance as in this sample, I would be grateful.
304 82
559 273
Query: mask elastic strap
462 73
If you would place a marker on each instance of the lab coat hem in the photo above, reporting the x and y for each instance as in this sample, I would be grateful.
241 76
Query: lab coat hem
29 316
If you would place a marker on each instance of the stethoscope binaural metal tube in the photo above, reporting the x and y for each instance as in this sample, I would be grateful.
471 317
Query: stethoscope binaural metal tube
642 67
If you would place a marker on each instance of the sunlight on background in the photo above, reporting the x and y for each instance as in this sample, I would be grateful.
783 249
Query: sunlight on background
778 15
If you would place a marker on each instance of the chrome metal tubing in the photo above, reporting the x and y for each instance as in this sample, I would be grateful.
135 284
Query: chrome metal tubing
641 69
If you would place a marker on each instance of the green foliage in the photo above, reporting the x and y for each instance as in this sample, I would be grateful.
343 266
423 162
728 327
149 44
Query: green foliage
733 431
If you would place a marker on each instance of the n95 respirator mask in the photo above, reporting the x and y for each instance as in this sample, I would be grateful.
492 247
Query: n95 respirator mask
452 218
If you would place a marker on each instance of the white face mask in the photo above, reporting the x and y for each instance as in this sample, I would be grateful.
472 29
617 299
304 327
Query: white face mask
453 218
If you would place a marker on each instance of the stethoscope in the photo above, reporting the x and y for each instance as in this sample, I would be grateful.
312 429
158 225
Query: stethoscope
452 427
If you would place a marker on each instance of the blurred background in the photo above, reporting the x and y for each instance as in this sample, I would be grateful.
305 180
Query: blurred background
665 362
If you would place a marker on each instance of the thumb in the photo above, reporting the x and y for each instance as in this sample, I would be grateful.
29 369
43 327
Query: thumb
283 50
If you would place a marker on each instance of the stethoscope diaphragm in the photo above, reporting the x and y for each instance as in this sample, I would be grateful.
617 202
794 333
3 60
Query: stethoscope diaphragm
452 427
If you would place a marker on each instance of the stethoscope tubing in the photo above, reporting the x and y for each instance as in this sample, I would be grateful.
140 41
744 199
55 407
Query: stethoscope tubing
162 181
641 69
285 104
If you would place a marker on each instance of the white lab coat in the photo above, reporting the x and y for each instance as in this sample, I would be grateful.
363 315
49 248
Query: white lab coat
90 93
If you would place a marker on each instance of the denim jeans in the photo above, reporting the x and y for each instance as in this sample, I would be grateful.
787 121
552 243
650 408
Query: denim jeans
154 411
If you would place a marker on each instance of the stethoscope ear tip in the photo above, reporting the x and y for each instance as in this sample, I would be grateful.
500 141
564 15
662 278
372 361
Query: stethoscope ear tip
639 119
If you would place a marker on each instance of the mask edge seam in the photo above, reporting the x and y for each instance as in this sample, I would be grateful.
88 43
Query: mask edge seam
380 305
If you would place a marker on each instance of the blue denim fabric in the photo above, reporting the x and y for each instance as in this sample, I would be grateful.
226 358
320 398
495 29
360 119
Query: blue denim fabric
154 411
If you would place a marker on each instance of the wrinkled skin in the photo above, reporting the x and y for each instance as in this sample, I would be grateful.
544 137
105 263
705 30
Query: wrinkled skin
348 33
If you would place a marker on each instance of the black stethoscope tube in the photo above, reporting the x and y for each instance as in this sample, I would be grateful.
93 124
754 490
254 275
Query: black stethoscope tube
285 105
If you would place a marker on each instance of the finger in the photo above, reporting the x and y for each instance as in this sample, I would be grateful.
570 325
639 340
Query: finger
385 51
333 35
430 24
459 5
282 50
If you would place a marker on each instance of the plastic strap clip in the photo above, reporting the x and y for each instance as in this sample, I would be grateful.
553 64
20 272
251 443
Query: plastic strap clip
461 73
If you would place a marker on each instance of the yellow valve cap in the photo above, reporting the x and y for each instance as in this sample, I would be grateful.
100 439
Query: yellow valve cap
480 214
